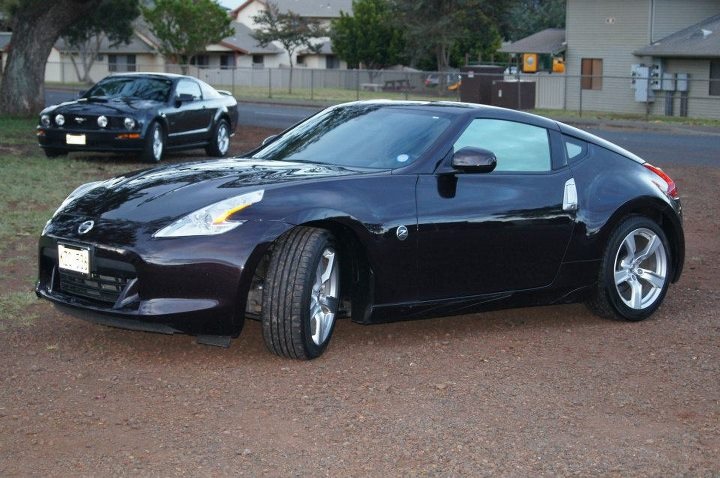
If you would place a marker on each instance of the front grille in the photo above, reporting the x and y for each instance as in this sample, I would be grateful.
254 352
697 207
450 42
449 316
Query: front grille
100 287
87 122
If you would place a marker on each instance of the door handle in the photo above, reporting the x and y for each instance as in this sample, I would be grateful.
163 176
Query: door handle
570 198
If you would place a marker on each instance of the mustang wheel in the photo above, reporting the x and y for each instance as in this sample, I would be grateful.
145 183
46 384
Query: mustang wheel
635 272
154 144
301 294
220 140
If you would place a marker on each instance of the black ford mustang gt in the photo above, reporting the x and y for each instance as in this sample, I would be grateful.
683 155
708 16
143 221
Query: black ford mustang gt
142 113
383 210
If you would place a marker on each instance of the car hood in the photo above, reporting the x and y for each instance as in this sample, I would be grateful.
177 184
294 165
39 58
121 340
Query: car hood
162 194
103 106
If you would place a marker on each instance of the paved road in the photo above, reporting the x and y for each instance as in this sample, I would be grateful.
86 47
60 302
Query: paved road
677 146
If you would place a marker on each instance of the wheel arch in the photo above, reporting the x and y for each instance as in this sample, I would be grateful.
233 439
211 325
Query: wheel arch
663 215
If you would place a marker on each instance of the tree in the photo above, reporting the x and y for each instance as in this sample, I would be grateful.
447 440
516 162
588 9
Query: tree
368 37
111 21
288 28
526 17
36 26
185 28
442 27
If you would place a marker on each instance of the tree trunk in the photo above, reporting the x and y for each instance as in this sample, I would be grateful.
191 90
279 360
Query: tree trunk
290 52
36 26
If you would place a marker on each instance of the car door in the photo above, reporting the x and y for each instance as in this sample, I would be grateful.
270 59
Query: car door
483 233
188 121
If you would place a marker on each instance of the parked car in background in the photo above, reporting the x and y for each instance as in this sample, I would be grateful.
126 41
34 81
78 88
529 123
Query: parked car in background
452 80
383 210
141 113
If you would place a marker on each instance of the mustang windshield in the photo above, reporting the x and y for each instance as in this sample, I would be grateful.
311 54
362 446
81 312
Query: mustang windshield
368 136
156 89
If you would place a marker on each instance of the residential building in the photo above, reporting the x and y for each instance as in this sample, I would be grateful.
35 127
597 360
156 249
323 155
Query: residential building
609 40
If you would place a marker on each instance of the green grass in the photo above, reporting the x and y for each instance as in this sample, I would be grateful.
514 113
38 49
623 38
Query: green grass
609 116
31 188
324 96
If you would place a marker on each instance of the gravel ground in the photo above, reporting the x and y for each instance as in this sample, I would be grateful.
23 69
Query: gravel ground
525 392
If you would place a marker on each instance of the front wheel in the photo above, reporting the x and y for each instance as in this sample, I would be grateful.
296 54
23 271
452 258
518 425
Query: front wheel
219 141
154 144
635 271
301 294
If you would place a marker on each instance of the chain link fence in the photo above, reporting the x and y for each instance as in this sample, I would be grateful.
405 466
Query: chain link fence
684 96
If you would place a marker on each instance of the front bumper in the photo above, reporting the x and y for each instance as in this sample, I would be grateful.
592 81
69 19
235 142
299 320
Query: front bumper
95 140
194 285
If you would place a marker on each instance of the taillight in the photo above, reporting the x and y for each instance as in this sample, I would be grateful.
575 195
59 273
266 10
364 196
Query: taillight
669 187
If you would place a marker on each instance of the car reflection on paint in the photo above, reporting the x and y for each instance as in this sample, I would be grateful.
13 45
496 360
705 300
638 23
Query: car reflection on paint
378 210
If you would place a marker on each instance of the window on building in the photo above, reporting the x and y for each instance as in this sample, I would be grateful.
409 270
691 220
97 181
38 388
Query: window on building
300 60
227 61
591 71
714 77
332 62
517 146
258 60
201 61
121 63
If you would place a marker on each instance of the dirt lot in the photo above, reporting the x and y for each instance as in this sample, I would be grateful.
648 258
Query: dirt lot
551 390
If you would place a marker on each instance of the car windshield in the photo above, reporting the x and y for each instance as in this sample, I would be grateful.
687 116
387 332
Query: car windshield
156 89
360 135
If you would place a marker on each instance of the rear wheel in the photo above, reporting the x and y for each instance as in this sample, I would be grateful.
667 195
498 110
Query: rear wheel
301 294
635 272
220 140
154 144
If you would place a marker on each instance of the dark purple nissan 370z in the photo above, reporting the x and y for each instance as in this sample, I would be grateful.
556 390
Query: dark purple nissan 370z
378 210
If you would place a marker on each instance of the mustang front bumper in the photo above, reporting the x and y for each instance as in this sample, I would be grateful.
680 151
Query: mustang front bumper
90 140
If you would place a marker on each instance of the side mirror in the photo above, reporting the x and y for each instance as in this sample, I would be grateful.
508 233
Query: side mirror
474 160
81 93
269 139
183 98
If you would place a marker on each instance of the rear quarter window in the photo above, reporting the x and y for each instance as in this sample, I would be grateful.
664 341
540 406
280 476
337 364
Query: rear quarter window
575 149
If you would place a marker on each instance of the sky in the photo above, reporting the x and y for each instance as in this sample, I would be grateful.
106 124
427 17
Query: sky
230 3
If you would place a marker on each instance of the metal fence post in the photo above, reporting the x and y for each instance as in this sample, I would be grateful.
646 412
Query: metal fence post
232 73
357 84
647 100
312 90
581 89
269 82
407 85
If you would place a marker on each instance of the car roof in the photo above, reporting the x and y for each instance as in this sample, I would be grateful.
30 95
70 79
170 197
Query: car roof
168 76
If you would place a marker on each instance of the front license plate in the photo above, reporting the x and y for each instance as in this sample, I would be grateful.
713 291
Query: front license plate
76 259
75 139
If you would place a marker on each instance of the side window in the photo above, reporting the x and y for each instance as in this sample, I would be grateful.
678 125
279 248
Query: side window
575 148
517 146
189 88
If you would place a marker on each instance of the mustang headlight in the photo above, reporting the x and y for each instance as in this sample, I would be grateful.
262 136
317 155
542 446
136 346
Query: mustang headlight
129 123
45 120
102 121
213 219
80 191
59 120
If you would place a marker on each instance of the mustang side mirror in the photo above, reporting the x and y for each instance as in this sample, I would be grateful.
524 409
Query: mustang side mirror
474 160
81 93
183 98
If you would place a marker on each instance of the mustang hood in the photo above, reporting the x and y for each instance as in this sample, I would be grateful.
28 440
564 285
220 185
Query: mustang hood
163 194
104 106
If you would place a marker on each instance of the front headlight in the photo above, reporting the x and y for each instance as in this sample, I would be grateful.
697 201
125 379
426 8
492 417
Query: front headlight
129 123
59 120
102 121
45 120
213 219
78 192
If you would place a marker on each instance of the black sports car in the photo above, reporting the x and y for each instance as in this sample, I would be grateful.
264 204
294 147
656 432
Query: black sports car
380 210
143 113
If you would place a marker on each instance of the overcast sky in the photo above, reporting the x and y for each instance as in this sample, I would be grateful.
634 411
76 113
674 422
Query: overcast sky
230 3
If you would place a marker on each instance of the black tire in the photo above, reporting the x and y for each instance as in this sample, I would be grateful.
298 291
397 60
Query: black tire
606 300
149 153
219 140
54 153
288 293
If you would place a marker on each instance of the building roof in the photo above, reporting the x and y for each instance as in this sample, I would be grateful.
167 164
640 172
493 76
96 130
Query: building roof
551 40
701 40
306 8
243 42
137 45
325 49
